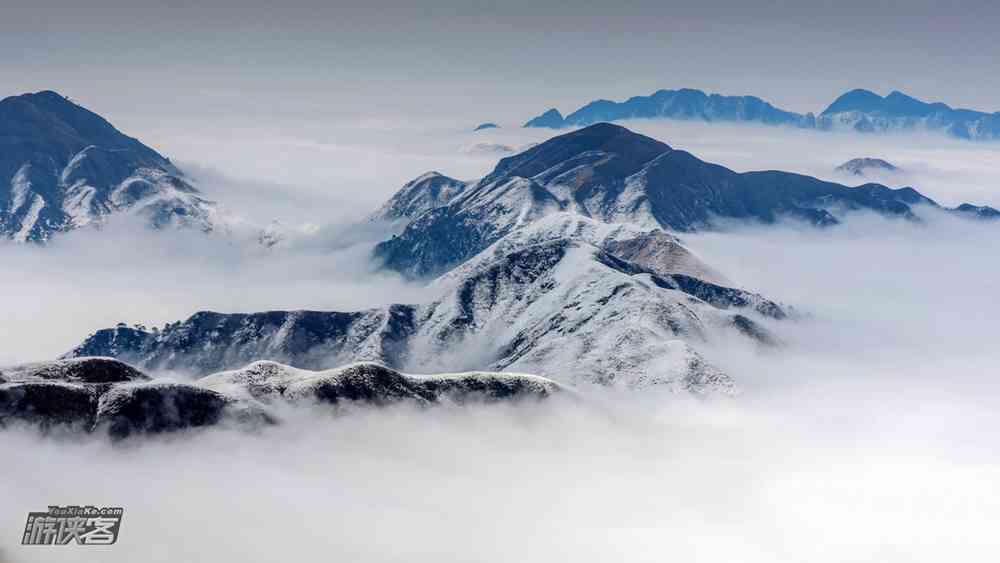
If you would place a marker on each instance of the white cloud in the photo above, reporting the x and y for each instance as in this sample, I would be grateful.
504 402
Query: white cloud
869 437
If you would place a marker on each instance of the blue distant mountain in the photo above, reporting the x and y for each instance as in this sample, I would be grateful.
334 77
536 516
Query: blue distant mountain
551 119
867 112
858 110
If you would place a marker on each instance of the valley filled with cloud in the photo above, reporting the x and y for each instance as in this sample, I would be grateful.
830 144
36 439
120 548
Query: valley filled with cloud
866 435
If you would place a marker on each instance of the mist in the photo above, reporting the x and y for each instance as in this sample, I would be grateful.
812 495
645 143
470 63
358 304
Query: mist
868 436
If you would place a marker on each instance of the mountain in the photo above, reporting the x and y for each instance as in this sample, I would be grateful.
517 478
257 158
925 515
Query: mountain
858 110
686 104
426 192
865 166
551 119
609 174
372 383
488 125
560 308
109 396
866 112
63 167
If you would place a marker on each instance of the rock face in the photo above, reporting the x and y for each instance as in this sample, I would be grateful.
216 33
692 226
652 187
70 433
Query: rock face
63 167
61 393
107 396
866 166
155 408
609 174
560 308
858 110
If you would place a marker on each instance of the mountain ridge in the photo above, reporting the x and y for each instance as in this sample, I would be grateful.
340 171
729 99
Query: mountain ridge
105 395
609 174
521 311
857 110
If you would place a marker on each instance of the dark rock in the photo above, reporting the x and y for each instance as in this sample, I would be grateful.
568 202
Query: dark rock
47 404
155 408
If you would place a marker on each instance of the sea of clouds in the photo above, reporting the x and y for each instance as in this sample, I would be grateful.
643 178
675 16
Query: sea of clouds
869 436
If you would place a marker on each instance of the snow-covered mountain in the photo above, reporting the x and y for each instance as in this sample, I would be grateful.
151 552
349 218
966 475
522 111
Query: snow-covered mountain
106 395
609 174
858 110
423 193
63 167
561 308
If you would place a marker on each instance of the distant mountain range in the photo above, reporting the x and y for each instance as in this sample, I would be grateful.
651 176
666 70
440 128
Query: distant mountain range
63 167
858 110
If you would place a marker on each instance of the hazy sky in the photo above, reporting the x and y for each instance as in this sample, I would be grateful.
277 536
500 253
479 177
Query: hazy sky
506 61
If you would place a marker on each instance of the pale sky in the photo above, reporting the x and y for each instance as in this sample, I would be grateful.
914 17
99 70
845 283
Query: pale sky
481 60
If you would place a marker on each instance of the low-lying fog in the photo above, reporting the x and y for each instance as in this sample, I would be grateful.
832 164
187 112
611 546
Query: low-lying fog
871 436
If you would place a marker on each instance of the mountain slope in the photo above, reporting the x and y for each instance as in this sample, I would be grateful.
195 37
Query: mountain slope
561 308
609 174
63 167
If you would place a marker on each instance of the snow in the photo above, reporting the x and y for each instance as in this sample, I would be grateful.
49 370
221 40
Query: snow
20 188
29 219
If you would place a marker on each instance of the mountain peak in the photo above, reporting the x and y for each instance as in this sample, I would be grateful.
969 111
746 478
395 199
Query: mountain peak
63 166
858 99
862 166
551 119
629 149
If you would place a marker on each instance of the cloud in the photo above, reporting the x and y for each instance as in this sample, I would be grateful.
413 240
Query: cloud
56 295
869 436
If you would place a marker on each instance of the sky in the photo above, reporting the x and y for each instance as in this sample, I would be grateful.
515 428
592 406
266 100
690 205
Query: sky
476 60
